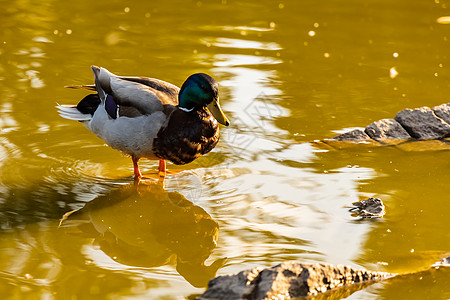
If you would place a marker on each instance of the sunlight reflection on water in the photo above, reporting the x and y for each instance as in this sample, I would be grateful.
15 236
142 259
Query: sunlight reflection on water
288 73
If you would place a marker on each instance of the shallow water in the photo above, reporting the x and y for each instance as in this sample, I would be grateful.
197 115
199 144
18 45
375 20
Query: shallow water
289 73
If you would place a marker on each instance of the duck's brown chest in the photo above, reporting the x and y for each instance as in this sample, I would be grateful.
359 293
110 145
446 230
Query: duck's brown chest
186 136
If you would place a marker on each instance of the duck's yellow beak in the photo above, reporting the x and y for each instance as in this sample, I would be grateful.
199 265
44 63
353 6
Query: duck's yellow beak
216 110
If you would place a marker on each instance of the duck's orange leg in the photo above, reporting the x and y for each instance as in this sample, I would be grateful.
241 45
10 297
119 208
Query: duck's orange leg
137 172
162 168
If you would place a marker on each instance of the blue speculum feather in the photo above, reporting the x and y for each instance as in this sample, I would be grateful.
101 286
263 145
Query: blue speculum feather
111 107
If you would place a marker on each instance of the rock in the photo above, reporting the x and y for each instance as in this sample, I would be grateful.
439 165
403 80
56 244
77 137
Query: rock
288 280
387 131
369 208
353 135
422 123
409 127
443 112
237 286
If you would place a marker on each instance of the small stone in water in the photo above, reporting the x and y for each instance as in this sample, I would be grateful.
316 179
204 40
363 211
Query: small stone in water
369 208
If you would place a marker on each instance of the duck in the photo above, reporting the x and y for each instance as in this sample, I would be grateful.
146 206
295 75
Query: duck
150 118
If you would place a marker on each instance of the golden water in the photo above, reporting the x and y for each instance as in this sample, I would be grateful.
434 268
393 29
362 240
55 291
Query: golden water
289 72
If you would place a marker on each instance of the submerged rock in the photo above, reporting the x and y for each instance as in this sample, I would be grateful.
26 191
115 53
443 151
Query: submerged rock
288 280
422 123
445 262
418 146
369 208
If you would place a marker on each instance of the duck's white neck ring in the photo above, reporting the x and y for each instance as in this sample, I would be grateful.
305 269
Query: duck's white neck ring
185 109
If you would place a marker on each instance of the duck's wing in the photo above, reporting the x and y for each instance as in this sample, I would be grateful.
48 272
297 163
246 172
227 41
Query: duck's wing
168 89
134 96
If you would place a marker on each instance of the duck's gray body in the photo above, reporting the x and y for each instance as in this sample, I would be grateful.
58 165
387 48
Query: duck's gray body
143 111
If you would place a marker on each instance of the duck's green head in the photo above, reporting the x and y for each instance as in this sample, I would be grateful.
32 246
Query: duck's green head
201 90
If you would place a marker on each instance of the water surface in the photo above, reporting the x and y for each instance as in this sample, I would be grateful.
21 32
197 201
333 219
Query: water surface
289 73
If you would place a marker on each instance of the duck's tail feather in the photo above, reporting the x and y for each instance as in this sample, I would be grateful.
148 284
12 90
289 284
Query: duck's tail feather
83 111
83 86
71 112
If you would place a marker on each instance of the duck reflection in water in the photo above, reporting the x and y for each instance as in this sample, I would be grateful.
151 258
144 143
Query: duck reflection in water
144 225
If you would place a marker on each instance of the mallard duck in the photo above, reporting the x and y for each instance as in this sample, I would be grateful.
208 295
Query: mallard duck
150 118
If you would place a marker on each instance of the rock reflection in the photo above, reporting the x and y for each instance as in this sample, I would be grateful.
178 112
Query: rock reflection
144 225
